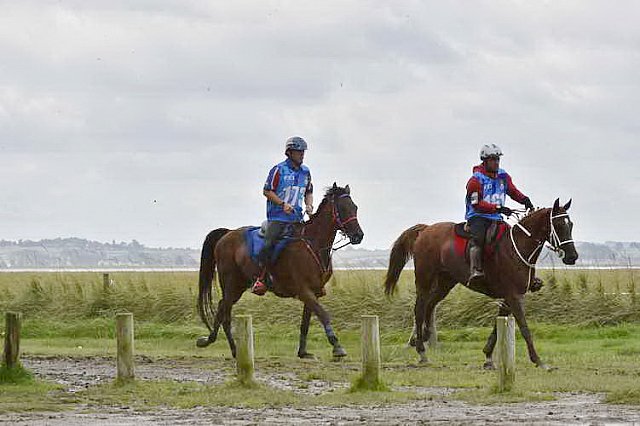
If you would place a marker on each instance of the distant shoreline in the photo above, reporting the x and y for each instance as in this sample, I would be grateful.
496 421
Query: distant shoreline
135 269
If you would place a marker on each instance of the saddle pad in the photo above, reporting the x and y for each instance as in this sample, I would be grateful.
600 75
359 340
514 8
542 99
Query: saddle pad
461 240
255 242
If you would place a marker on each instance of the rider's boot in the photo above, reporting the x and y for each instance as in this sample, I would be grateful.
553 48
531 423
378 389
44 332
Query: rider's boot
475 257
259 287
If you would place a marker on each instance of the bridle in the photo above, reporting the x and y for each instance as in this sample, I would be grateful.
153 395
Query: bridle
553 240
340 225
338 220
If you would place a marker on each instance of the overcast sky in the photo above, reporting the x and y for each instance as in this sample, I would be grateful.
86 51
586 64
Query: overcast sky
159 120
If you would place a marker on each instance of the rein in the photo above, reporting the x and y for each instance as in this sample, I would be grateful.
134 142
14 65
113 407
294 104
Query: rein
340 224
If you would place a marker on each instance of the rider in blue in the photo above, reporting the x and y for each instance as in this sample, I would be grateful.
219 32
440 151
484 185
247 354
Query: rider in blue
486 195
288 188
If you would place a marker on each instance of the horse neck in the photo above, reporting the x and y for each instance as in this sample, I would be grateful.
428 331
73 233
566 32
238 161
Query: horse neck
321 230
537 223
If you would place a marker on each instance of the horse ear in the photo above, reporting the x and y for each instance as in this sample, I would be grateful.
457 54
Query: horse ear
566 206
335 185
347 190
556 205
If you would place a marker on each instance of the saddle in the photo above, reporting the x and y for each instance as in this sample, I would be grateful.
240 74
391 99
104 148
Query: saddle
254 238
495 232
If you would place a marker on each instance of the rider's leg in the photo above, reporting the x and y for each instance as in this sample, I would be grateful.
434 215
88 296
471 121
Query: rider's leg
273 233
478 227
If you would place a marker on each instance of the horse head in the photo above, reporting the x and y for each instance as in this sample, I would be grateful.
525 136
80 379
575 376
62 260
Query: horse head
345 212
560 236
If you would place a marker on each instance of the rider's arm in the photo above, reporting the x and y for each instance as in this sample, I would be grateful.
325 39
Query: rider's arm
271 185
513 192
308 198
475 197
273 197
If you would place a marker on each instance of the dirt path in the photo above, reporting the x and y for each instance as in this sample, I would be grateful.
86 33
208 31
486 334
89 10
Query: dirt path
77 374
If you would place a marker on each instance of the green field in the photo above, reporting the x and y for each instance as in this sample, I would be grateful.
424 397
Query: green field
581 320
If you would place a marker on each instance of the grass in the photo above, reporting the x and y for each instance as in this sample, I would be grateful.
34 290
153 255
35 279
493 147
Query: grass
578 326
597 297
20 392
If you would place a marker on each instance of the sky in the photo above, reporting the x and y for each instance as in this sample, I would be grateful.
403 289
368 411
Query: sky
159 120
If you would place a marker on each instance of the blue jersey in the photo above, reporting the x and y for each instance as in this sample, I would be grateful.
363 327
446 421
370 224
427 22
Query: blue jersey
291 185
494 191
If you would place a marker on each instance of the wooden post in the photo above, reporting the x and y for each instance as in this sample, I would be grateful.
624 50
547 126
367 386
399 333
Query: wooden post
124 335
12 340
243 336
506 353
106 282
370 352
433 332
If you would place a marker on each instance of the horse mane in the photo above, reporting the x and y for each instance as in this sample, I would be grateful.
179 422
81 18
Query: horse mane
329 192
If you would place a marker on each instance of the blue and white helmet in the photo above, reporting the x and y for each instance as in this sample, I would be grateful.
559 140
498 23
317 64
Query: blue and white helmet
490 150
296 143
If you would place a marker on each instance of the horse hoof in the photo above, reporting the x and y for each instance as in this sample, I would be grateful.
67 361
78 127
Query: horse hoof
488 365
306 355
423 358
339 352
546 367
203 342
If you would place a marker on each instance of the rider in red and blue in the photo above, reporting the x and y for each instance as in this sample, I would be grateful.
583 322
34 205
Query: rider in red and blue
289 193
486 195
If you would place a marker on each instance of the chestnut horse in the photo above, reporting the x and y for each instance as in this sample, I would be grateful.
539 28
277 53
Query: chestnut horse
302 269
509 271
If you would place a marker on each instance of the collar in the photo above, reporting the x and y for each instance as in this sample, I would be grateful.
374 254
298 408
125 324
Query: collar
290 164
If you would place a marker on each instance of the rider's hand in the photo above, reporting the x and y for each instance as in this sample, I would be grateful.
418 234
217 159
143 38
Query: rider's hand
309 209
505 210
288 208
528 204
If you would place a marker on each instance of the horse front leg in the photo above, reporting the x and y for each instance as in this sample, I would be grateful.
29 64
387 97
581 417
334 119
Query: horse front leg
310 301
503 311
516 303
304 330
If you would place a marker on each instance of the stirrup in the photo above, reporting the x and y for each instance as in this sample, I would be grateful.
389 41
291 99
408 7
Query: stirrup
476 276
259 287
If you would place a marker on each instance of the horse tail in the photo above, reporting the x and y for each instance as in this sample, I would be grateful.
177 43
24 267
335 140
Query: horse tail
207 273
401 252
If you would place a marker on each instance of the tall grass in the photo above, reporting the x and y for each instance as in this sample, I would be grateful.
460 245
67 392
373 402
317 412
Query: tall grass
569 297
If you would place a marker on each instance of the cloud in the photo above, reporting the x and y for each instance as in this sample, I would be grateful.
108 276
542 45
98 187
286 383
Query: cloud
108 106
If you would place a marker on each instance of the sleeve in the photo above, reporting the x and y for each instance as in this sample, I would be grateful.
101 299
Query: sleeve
513 192
475 197
309 189
273 179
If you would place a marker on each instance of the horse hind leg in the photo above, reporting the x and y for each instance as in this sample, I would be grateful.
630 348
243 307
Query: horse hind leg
235 287
437 291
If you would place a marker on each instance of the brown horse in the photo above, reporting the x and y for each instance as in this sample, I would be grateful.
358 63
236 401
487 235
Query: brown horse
302 269
509 271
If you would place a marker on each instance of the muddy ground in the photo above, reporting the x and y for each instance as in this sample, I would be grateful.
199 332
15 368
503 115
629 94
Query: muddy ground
78 373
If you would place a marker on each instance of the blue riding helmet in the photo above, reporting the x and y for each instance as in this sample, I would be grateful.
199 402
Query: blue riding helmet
296 143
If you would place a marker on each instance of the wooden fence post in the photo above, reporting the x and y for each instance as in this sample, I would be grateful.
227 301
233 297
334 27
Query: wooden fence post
124 335
370 378
106 282
12 340
506 353
243 337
